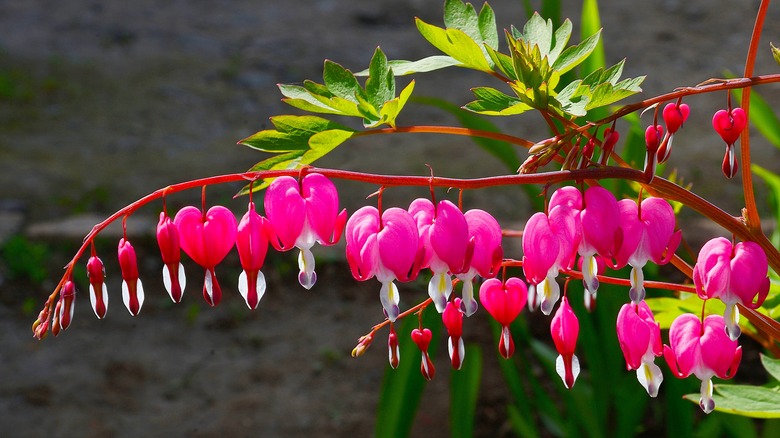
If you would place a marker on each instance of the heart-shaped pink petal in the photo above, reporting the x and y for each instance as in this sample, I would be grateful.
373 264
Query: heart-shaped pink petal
422 338
503 301
208 238
729 124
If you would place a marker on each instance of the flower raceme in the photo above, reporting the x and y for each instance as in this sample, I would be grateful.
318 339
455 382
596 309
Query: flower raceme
639 336
302 214
384 247
704 350
737 274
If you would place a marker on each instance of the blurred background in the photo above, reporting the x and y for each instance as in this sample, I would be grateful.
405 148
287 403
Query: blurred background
104 102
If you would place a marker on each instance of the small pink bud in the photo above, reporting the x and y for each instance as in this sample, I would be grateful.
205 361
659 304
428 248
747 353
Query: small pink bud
98 293
453 322
565 329
170 249
393 350
132 289
611 138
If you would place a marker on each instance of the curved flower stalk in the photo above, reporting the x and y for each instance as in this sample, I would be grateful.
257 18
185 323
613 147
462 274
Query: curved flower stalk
207 237
443 234
252 244
737 274
549 245
302 214
486 256
386 248
504 301
565 329
174 278
639 336
132 288
648 235
704 350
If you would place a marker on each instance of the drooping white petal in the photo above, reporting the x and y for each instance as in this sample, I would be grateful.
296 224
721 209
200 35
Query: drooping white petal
461 351
732 321
243 288
468 304
168 282
560 368
390 298
93 299
650 376
439 289
139 290
637 291
548 292
589 272
307 277
706 403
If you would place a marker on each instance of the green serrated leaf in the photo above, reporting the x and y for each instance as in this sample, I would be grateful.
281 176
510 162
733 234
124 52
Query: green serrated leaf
456 43
462 16
277 162
574 55
431 63
503 62
392 108
487 26
561 38
538 32
493 102
340 81
607 94
292 133
304 99
745 400
380 85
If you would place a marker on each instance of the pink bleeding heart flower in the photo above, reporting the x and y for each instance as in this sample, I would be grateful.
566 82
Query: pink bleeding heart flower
674 116
132 289
385 248
639 336
443 234
565 328
252 244
549 245
174 277
98 292
737 274
504 301
303 214
704 350
486 255
729 125
648 235
207 237
423 339
65 306
601 233
452 317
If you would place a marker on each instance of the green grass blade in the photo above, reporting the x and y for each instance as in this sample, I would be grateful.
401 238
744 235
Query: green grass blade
464 389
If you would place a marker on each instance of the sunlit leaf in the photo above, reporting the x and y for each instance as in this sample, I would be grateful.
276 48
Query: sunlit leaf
745 400
574 55
456 43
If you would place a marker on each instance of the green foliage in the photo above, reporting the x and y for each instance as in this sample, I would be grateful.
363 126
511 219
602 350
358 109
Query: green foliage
25 260
748 400
402 387
464 389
